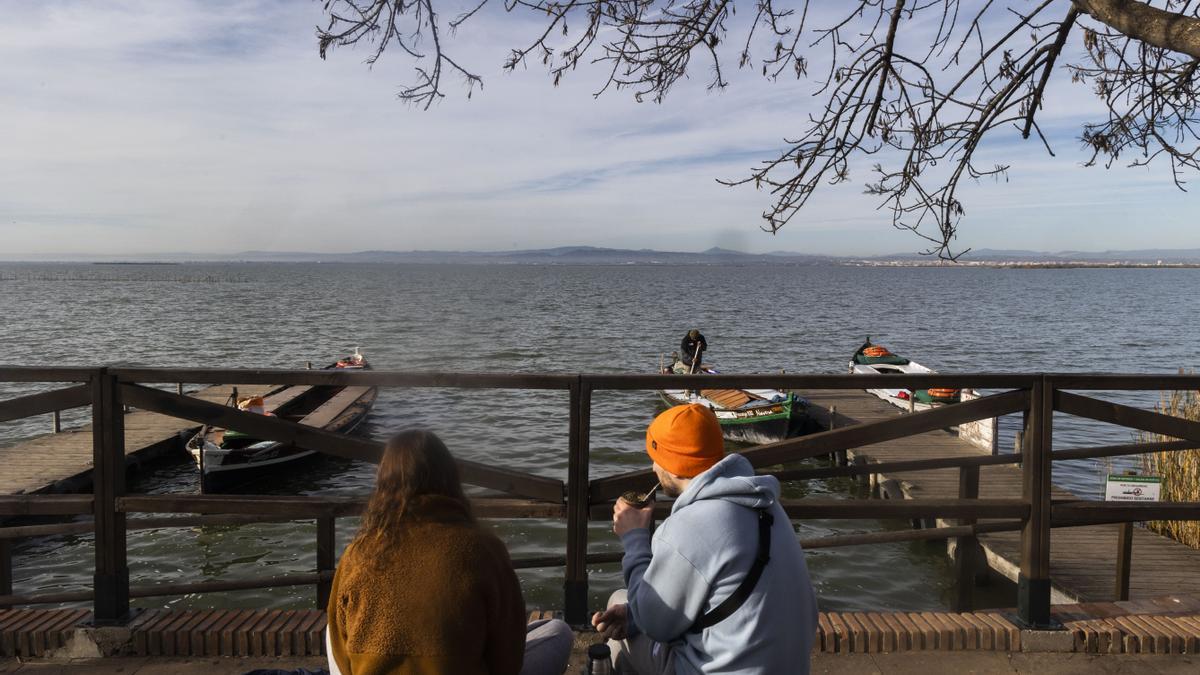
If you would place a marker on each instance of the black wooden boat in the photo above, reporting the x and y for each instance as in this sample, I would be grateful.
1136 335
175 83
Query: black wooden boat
227 457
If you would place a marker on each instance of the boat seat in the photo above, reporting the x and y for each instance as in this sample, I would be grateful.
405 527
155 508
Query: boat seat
727 398
329 410
284 396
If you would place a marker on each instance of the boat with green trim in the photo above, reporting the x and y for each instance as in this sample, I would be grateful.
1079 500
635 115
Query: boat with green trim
871 359
746 415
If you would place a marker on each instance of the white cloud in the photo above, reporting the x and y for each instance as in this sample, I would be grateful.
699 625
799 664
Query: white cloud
148 126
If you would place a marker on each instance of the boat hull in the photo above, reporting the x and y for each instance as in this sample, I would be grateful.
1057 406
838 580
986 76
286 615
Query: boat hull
223 469
908 399
765 423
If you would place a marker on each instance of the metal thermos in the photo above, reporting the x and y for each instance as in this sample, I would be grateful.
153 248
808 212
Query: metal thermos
599 660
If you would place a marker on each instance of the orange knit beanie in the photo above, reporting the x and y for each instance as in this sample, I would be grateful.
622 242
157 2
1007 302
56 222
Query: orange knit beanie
685 440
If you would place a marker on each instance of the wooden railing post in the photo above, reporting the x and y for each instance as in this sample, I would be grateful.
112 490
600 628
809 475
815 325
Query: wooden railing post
6 569
1124 560
1033 582
326 556
575 586
111 580
965 548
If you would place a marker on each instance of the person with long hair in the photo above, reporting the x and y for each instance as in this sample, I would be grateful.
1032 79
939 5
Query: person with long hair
423 588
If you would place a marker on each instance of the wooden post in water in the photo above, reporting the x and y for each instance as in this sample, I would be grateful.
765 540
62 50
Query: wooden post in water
56 421
326 556
1033 582
179 388
111 580
6 569
575 584
965 562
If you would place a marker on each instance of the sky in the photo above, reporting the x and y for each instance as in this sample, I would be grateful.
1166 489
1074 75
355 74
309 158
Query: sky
134 127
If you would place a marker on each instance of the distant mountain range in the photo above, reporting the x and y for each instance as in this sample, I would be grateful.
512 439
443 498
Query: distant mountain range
593 255
562 255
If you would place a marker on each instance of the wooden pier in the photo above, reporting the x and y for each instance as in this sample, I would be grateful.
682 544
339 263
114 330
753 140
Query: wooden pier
1083 560
62 461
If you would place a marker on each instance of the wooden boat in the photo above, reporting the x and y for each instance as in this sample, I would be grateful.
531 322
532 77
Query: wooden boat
873 359
227 457
746 415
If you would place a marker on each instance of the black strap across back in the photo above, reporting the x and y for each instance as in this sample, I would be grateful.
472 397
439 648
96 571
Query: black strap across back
743 591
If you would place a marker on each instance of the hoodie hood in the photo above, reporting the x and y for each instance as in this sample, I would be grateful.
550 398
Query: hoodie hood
732 480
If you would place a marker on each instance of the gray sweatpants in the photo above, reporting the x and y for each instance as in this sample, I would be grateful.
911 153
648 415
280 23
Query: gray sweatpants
547 647
639 655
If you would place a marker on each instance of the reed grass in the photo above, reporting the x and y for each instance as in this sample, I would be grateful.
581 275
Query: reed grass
1180 470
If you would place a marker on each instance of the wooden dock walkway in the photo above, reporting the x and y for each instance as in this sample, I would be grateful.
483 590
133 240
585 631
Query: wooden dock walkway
62 462
1082 559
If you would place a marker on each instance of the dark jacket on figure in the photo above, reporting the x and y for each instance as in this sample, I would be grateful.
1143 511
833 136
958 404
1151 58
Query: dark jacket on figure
687 349
440 598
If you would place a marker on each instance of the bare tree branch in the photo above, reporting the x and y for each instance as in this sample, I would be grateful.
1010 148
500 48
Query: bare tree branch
917 108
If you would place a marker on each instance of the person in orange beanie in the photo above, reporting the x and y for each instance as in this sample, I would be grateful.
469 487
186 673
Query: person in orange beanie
721 586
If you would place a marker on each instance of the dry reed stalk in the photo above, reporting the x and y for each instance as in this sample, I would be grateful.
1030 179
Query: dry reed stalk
1180 470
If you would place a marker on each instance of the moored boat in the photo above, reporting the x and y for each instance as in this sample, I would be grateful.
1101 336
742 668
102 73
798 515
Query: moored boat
746 415
871 359
227 457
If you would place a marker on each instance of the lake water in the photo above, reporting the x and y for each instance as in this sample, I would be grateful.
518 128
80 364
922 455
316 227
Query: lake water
566 319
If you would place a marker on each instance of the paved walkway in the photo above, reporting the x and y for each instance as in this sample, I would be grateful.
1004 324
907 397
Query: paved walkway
822 664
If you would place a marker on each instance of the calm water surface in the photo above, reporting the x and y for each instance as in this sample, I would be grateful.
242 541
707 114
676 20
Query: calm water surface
567 319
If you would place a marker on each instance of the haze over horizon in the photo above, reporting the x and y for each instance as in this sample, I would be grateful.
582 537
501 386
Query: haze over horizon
139 127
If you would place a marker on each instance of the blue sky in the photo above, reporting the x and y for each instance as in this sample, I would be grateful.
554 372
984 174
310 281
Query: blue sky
149 126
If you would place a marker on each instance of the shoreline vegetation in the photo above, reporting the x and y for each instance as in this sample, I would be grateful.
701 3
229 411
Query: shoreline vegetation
1180 470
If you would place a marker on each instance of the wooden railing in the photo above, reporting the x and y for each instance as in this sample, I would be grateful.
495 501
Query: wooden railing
581 497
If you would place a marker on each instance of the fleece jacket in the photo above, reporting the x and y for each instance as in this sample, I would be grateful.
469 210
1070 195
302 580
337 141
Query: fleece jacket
699 555
440 598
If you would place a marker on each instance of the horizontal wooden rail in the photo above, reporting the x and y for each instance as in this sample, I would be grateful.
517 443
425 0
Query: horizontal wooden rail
46 598
45 402
901 536
1124 382
305 508
45 505
1126 416
875 509
893 467
159 590
809 381
84 527
1096 513
358 378
45 374
826 442
1122 450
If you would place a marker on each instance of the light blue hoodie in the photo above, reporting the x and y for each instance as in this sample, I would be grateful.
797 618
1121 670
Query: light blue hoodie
698 557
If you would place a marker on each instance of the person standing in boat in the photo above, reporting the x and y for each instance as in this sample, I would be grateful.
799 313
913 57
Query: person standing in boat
425 589
691 351
721 586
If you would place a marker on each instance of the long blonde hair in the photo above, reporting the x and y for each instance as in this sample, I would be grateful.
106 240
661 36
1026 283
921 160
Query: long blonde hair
414 464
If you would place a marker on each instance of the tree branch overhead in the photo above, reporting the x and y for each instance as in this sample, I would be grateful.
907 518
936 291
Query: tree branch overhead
917 110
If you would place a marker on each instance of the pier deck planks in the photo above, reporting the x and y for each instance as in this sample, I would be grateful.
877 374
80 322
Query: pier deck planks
62 462
1082 559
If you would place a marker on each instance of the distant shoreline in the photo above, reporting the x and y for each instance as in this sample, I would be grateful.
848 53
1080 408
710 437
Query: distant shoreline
882 264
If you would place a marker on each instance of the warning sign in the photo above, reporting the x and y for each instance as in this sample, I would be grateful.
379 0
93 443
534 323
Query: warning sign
1132 488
